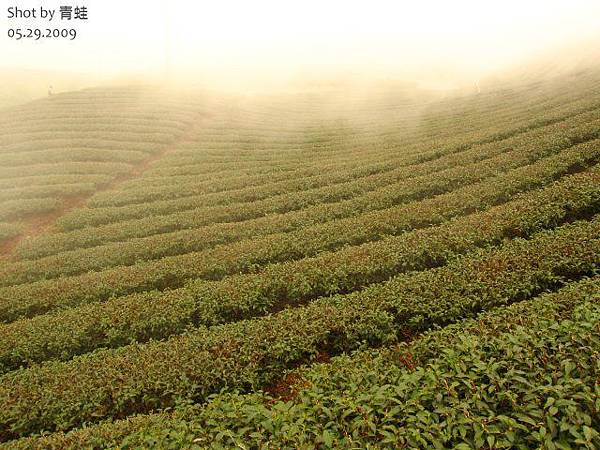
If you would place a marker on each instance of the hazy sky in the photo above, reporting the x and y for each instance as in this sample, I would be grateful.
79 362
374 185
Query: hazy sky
153 35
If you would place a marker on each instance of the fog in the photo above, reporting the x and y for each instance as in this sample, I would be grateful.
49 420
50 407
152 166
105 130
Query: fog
265 44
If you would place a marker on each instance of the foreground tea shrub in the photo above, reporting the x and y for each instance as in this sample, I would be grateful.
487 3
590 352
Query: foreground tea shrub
250 354
515 377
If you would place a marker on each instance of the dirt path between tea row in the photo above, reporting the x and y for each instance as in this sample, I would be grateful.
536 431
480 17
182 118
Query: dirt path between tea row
41 223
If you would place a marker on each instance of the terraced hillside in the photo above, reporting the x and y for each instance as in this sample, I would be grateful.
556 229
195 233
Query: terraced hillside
55 153
306 270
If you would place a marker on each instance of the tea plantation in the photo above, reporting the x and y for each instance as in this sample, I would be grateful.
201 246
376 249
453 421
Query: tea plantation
313 269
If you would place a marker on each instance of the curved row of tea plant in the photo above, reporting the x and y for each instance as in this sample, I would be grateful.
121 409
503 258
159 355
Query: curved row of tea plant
418 394
43 296
249 194
104 214
51 144
80 261
157 315
337 157
539 110
48 191
66 169
250 354
17 209
9 230
10 184
82 142
372 197
73 155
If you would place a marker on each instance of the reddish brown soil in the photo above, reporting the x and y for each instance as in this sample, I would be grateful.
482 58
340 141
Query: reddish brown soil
286 389
322 357
39 224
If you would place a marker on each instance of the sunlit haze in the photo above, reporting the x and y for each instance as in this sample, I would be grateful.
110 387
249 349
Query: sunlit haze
236 39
